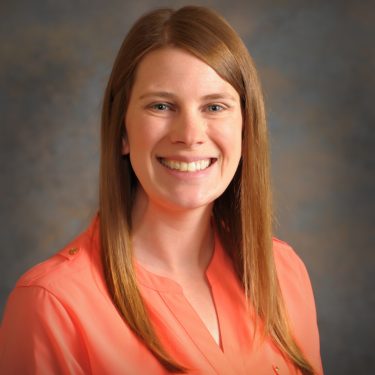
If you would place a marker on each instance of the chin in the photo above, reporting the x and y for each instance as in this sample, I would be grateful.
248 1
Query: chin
185 203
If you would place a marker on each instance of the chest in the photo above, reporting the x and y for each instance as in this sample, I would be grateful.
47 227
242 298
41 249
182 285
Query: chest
199 296
187 331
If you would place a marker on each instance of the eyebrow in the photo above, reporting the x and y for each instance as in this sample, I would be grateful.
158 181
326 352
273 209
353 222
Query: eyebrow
169 95
162 94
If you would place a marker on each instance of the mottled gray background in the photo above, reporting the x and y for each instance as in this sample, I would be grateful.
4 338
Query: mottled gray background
316 60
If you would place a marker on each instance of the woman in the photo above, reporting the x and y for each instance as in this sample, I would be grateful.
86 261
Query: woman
178 273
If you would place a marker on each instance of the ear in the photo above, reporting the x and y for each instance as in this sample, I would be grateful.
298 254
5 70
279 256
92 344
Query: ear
125 149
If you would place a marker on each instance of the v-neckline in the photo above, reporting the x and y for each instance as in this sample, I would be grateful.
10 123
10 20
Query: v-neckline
165 285
220 275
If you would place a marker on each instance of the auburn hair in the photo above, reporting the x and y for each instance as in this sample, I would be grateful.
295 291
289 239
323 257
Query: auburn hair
242 214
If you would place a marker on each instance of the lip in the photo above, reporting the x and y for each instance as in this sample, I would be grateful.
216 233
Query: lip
187 174
187 159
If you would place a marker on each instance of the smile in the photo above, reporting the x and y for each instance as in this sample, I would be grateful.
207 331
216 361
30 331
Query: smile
183 166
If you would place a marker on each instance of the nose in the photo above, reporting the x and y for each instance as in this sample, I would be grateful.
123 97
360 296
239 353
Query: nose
188 128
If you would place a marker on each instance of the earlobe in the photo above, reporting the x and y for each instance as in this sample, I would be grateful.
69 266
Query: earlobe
125 146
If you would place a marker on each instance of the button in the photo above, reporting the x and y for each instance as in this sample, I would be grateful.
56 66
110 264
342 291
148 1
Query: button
73 251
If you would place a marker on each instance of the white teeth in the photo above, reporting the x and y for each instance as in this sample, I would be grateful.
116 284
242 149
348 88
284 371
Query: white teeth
187 167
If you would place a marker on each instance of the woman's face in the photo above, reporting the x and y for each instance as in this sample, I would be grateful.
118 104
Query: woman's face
183 126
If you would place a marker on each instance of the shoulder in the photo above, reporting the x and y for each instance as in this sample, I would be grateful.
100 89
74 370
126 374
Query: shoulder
288 263
299 300
294 281
67 267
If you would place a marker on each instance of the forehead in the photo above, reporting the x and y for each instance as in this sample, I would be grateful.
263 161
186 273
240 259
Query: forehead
176 69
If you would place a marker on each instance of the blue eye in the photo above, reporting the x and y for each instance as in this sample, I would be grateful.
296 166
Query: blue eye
215 108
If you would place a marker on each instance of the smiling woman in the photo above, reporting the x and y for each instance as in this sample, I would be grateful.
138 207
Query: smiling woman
182 151
179 272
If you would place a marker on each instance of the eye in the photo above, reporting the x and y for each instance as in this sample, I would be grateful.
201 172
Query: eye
160 107
215 108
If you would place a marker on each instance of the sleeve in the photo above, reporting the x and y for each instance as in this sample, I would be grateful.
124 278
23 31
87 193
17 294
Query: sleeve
310 338
299 301
39 336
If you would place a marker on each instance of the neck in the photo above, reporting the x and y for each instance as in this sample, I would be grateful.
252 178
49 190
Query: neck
171 242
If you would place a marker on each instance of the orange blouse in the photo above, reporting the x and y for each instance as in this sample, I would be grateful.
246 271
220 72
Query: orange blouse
60 319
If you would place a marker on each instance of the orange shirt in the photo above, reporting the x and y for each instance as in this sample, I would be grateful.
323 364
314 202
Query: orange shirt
60 319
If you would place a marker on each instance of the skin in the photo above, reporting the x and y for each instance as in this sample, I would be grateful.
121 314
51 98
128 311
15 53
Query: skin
180 111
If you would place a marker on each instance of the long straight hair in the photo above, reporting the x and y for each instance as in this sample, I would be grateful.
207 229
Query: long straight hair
242 214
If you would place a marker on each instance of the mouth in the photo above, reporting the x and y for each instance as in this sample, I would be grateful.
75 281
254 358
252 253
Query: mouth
188 167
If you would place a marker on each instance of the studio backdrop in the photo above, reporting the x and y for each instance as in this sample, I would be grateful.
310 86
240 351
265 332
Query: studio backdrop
316 61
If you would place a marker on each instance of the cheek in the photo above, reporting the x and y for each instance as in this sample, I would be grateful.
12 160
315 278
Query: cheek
137 133
143 136
230 139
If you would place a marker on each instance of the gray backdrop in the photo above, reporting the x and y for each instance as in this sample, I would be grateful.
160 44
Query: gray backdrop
316 60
